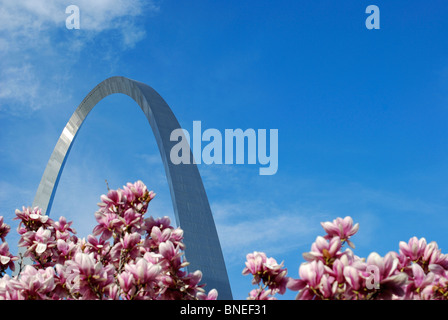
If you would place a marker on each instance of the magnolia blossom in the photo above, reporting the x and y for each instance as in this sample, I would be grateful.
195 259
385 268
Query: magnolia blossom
417 288
413 249
132 257
143 271
64 229
261 294
108 224
342 228
419 270
128 256
266 271
310 279
34 284
6 258
212 295
31 219
4 229
324 250
391 280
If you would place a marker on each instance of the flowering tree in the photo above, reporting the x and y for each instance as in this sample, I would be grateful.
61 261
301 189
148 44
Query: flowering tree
419 271
131 257
127 257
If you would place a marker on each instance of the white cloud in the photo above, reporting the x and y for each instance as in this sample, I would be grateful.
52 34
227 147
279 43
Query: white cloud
19 83
110 14
244 227
36 49
25 16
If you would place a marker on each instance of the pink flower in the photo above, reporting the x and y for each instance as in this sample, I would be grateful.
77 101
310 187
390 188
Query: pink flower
112 201
32 219
6 258
391 279
171 255
125 268
438 290
326 251
35 284
42 239
177 235
39 244
414 249
338 270
419 282
327 287
127 248
212 295
354 278
99 247
266 270
143 271
310 274
168 251
191 281
4 229
65 250
88 277
277 279
107 224
161 223
432 255
159 231
158 236
127 283
137 192
314 282
130 243
254 263
7 289
132 220
152 257
63 228
260 294
112 292
342 228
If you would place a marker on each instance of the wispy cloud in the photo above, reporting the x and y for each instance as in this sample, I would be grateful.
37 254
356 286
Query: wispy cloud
20 83
247 226
36 49
28 18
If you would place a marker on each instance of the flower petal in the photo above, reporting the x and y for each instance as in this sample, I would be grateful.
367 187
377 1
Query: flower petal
41 247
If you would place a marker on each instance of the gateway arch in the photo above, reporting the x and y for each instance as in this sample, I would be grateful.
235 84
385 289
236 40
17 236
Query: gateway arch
191 207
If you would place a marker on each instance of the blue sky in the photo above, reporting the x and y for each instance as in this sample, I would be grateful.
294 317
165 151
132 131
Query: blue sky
361 114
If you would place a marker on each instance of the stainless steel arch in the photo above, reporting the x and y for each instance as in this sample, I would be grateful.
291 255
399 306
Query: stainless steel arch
190 202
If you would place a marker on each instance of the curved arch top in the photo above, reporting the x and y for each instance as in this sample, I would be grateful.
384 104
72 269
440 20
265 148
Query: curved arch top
190 202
